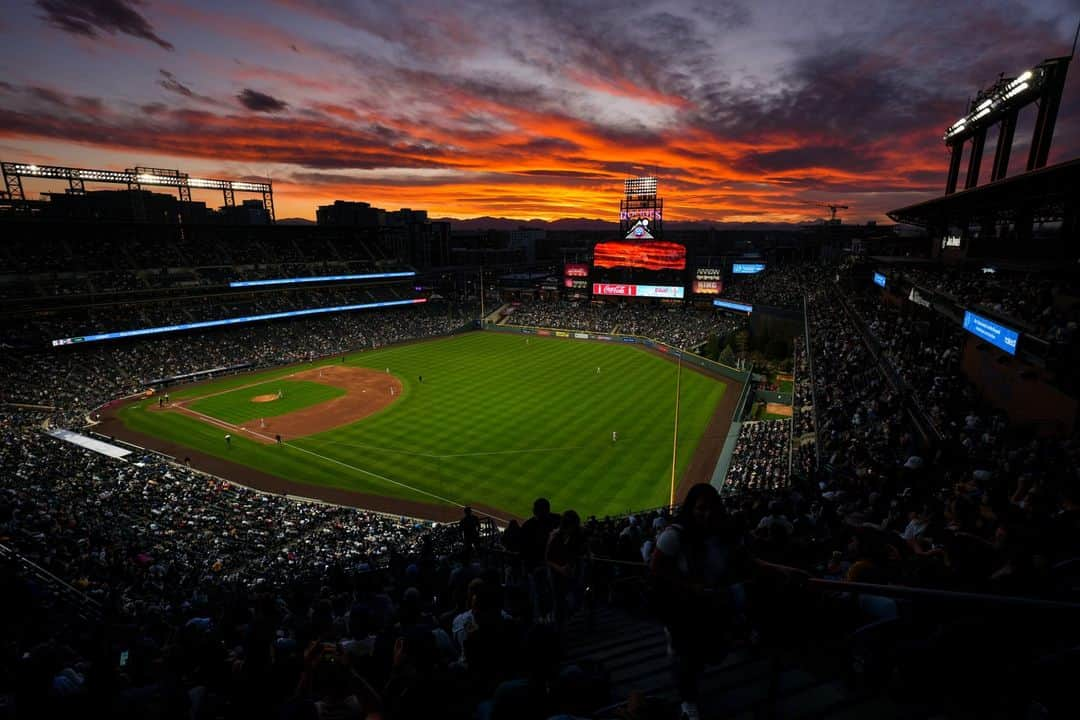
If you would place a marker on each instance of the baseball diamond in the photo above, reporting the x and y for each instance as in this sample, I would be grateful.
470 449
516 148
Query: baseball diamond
495 422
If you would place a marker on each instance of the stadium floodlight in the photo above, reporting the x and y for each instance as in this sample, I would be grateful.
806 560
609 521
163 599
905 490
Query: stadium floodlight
995 102
640 186
1016 90
134 178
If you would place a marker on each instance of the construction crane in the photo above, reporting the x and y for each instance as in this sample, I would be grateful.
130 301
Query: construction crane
832 207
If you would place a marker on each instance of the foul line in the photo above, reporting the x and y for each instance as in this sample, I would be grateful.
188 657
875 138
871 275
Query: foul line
451 455
343 464
184 401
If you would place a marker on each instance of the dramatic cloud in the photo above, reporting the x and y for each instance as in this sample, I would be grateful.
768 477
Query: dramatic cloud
260 102
170 83
89 17
745 110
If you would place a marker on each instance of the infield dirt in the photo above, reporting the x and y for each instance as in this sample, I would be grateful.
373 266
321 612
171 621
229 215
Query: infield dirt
366 391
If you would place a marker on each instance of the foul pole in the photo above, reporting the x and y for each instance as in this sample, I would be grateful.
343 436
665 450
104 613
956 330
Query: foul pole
675 432
481 295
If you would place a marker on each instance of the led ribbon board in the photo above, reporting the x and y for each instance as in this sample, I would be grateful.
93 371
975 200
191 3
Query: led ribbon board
747 268
994 333
319 278
624 290
228 321
737 307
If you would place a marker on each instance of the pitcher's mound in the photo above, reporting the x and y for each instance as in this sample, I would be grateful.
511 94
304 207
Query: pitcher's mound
366 391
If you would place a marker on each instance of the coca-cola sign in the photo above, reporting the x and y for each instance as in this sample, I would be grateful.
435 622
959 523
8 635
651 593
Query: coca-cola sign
610 289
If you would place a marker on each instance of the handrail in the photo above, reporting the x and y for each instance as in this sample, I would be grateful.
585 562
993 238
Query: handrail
89 603
791 424
907 592
808 349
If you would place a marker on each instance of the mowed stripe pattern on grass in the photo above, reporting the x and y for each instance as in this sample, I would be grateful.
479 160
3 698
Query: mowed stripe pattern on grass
498 421
238 406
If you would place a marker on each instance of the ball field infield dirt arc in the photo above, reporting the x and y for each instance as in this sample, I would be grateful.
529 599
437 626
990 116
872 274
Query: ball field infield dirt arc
486 419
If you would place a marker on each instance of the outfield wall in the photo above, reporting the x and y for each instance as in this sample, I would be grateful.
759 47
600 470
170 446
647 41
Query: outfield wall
689 357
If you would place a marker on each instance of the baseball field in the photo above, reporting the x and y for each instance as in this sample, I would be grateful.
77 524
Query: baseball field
488 419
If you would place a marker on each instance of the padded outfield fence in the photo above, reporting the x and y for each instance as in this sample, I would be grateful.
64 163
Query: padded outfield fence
687 356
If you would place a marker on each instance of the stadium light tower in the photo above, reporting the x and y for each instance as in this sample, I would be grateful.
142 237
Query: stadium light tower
640 202
135 179
1002 103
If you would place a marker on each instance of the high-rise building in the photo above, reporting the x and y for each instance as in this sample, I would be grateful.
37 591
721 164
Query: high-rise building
348 213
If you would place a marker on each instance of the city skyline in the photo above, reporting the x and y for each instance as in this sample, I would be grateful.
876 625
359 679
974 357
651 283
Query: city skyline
746 112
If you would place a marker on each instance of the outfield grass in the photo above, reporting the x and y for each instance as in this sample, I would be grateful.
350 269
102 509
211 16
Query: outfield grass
497 421
238 406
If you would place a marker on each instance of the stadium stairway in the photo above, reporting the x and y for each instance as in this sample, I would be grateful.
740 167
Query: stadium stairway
633 652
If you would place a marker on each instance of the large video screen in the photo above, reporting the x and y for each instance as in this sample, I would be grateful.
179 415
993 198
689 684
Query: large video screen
879 279
649 255
648 263
994 333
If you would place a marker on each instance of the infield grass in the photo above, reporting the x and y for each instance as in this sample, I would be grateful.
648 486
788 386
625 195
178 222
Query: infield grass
497 421
238 406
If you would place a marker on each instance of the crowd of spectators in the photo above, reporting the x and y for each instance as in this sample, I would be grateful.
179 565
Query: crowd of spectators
41 328
79 378
683 327
216 601
780 287
222 602
990 509
761 455
804 434
1048 306
47 265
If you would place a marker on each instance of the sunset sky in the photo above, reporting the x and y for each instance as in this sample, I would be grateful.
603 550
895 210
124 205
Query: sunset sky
745 110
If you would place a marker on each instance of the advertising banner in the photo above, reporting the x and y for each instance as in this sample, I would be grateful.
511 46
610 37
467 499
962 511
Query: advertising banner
994 333
621 290
576 270
737 307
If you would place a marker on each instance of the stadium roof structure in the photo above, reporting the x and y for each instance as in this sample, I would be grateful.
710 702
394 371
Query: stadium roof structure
134 178
1044 195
